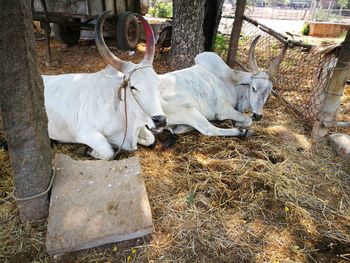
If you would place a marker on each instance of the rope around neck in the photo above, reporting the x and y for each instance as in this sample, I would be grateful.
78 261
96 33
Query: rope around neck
123 86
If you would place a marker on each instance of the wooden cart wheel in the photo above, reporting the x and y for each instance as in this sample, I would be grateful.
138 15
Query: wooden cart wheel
128 31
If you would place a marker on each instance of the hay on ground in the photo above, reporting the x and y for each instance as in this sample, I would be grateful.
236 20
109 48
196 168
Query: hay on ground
275 197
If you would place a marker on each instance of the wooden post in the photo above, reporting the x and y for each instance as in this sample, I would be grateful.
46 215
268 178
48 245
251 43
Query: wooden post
236 31
327 113
22 108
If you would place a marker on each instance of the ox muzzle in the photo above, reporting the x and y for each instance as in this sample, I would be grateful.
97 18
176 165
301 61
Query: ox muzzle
159 121
256 117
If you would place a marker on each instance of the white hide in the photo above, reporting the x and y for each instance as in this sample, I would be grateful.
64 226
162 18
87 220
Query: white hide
209 91
84 108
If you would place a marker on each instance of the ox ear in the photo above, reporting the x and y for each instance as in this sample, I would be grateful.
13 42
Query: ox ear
114 61
272 70
251 56
150 40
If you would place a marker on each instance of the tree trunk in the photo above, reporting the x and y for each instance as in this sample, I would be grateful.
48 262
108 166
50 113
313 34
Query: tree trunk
187 38
22 108
195 26
235 33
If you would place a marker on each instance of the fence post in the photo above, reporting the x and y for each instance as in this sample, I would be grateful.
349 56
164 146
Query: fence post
313 10
327 113
235 33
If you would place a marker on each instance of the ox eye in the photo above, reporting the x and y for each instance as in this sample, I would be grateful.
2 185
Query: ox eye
254 89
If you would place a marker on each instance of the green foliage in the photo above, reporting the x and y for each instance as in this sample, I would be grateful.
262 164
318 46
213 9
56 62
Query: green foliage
342 35
274 46
343 3
306 29
190 198
243 40
221 45
161 9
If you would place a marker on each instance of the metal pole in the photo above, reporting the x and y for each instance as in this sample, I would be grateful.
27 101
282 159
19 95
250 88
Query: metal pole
327 114
236 31
47 29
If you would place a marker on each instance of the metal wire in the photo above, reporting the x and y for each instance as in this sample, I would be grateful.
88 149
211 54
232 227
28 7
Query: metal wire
302 77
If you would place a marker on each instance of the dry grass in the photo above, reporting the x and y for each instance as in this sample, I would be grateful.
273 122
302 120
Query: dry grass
275 197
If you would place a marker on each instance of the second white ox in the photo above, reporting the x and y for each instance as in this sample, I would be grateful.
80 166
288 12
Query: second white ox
210 90
109 107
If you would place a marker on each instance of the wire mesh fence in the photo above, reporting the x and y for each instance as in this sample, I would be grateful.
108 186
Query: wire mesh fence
302 77
294 12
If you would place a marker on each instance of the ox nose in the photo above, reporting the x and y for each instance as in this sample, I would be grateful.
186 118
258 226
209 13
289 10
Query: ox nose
256 117
159 121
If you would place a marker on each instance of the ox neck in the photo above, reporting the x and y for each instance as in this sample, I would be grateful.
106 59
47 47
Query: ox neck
266 76
238 95
239 77
243 97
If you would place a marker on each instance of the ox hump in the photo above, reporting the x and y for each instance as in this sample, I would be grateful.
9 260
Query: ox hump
214 64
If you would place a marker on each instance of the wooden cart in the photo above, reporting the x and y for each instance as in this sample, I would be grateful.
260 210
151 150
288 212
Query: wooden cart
69 17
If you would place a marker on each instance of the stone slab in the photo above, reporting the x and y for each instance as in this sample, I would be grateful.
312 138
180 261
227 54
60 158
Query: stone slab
341 144
96 202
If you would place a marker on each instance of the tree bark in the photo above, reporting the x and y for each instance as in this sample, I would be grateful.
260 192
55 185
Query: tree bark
335 88
195 26
22 108
236 31
188 37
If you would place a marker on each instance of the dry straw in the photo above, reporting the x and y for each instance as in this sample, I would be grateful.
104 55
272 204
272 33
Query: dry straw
275 197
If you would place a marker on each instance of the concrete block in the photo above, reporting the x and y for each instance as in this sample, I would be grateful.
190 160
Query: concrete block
341 144
95 203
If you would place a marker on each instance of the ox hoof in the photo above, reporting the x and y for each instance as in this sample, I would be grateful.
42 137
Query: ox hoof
170 142
246 123
245 133
153 145
97 155
83 150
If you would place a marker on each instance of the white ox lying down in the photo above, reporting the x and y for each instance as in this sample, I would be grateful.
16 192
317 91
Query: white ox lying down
90 108
210 90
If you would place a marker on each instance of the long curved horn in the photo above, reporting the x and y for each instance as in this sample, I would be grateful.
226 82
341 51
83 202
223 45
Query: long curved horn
272 70
114 61
251 55
150 40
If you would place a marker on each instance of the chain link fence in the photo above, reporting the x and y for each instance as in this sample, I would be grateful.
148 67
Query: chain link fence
302 77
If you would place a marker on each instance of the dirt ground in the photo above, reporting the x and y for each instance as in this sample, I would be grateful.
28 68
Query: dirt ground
276 197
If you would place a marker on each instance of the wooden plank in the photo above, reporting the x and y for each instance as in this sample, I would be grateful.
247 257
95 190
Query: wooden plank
236 31
67 7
